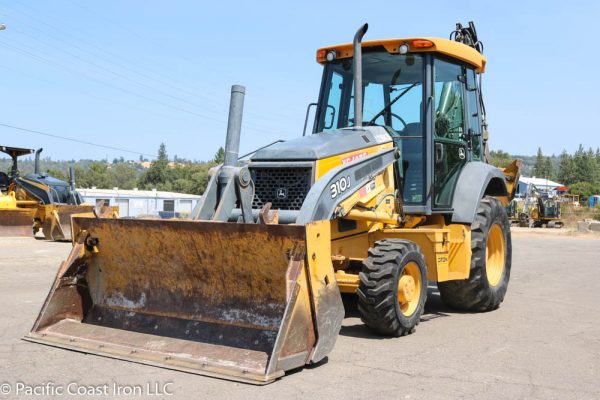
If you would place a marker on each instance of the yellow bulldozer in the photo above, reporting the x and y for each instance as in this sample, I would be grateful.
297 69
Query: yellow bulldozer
389 193
37 201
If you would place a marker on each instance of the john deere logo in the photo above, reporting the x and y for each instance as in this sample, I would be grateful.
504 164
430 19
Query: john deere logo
282 193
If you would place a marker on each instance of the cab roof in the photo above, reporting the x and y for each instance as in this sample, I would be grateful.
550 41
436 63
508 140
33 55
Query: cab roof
16 151
446 47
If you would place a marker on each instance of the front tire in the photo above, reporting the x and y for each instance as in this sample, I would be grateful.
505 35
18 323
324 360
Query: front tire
491 247
393 287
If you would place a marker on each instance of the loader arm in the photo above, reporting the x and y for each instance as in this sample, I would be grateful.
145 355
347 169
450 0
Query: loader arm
341 183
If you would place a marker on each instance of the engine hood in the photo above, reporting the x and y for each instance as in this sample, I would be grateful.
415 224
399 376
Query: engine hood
324 144
46 180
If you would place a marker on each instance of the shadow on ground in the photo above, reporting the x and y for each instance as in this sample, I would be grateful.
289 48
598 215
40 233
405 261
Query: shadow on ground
434 308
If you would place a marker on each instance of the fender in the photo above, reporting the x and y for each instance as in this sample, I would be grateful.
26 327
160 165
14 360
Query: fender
477 179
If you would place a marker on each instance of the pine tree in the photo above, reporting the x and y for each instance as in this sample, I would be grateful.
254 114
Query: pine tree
539 166
219 156
585 165
566 168
548 169
157 176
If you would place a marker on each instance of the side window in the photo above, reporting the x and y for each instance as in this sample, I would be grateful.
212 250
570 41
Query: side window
449 103
474 114
449 145
332 111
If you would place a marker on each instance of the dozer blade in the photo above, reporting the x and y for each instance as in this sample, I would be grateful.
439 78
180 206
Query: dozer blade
240 301
56 218
16 222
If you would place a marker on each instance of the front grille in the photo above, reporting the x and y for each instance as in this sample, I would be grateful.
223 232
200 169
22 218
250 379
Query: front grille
284 187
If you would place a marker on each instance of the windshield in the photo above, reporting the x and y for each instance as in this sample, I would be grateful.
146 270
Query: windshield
393 98
392 94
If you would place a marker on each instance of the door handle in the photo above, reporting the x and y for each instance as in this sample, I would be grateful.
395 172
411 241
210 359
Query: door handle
439 153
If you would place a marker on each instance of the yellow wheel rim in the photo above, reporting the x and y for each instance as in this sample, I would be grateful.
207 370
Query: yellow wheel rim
494 254
409 289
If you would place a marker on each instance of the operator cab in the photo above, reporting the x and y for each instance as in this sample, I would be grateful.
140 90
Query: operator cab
7 178
427 100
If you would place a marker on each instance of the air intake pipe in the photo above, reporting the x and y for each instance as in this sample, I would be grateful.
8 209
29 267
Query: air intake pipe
357 69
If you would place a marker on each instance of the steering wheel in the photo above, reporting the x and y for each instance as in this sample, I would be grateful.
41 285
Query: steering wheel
399 118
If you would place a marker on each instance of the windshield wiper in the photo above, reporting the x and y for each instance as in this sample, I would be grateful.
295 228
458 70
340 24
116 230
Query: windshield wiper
386 108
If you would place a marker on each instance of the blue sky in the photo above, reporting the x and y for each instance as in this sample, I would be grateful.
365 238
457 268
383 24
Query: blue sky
132 74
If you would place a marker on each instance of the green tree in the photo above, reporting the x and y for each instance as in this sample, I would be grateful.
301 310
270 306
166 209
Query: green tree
157 176
584 190
500 159
566 168
219 156
123 176
549 172
96 174
585 165
539 168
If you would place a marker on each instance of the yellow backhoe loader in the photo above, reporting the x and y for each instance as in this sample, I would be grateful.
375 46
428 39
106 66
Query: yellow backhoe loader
37 201
391 191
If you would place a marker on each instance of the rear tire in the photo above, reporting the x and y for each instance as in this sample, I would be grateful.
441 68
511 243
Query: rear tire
491 247
393 264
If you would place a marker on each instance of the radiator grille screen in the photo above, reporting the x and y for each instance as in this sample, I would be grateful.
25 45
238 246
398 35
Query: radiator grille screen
285 188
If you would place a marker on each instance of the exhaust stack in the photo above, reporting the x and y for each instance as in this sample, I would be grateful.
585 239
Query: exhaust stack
72 178
357 69
37 161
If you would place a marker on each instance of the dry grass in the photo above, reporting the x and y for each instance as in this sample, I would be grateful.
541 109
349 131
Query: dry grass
570 215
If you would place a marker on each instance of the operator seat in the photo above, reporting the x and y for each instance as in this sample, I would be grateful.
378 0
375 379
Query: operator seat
4 182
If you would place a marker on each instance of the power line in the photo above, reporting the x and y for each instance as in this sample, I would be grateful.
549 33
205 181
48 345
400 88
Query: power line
114 57
75 140
80 91
31 53
51 62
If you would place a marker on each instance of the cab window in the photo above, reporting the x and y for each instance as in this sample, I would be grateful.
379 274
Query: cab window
450 147
474 113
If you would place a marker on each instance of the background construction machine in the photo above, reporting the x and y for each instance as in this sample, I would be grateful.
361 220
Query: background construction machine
37 201
389 193
535 211
16 216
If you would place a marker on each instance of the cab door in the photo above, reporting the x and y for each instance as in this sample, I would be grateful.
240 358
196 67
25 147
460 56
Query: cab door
450 131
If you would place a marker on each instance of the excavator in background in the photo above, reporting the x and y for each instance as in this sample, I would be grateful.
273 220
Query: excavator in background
37 201
390 192
536 211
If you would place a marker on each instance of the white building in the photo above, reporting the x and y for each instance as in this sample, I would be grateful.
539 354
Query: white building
541 184
135 203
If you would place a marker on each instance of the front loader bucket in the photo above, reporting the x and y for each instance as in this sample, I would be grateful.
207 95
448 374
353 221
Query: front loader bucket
55 219
16 222
241 301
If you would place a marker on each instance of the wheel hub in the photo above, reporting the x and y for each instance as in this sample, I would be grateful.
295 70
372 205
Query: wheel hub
494 251
406 289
